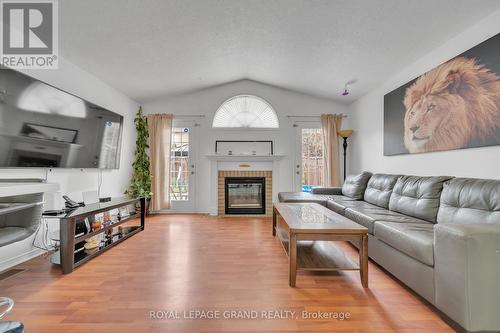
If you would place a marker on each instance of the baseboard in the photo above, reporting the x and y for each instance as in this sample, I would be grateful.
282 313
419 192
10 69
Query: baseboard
171 212
19 259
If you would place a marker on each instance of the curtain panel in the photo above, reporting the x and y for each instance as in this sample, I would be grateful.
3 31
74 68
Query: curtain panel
330 125
160 136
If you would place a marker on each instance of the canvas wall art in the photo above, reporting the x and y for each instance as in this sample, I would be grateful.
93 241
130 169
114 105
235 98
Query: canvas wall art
453 106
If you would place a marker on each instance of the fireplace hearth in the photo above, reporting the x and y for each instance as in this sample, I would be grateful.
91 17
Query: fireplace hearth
245 195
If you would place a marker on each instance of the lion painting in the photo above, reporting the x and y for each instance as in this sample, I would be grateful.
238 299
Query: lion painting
452 106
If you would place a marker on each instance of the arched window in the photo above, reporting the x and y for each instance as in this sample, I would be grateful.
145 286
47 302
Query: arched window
246 111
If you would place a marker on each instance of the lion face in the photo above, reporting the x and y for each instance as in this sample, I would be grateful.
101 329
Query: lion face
451 106
436 122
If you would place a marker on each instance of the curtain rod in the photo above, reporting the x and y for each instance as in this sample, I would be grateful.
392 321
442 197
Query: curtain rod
289 116
190 116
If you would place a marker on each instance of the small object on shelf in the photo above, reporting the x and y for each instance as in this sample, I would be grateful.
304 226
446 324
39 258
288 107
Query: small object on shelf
82 227
124 212
105 217
96 225
105 199
92 242
72 204
87 224
92 251
114 215
54 212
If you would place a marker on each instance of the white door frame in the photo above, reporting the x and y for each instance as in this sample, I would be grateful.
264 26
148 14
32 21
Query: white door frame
189 206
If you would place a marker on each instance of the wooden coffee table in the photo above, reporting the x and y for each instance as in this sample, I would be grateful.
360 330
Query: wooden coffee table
307 232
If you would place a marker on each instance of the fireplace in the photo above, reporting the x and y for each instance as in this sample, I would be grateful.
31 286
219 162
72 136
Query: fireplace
245 195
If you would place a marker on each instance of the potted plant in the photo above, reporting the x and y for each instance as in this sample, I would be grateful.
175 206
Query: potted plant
140 185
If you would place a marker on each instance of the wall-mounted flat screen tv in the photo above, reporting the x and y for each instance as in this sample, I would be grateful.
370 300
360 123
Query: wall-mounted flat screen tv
44 127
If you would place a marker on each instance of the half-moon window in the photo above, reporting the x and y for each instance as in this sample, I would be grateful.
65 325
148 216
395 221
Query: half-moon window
245 111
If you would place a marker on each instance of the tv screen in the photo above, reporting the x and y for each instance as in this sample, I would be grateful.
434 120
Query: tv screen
42 126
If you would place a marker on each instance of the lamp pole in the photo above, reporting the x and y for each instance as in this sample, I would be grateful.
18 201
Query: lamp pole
345 155
345 134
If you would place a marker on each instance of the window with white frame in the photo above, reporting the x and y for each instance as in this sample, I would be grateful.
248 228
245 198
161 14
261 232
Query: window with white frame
245 111
313 163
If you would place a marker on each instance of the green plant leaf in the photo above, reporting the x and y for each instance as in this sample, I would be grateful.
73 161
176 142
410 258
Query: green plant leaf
140 184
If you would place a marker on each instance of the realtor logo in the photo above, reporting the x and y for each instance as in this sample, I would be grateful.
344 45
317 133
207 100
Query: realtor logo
29 34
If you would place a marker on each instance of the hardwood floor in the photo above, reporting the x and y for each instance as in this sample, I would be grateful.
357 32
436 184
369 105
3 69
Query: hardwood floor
195 262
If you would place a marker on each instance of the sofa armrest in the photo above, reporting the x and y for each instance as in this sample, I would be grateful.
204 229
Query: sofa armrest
467 273
327 190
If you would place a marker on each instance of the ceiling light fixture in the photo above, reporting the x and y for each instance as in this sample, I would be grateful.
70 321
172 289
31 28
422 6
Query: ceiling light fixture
345 92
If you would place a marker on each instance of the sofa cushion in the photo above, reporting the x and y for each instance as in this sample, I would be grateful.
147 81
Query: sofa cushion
338 203
355 185
379 189
302 197
414 239
327 190
367 214
417 196
466 200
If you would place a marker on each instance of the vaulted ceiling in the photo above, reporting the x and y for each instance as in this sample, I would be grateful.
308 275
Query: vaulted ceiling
153 48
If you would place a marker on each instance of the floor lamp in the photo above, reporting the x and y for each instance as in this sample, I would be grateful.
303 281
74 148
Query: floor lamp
345 134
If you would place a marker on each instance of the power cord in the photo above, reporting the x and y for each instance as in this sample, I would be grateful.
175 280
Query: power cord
43 232
99 183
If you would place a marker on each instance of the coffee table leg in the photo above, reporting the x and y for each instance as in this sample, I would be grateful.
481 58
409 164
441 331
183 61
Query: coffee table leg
292 260
274 221
363 261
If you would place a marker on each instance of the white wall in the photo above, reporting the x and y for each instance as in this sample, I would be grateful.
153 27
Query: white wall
74 80
367 120
206 102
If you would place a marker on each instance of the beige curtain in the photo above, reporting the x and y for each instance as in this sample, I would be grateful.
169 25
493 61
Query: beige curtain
330 125
160 136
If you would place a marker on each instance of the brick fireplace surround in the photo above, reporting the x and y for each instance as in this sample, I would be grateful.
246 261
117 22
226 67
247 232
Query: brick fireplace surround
268 175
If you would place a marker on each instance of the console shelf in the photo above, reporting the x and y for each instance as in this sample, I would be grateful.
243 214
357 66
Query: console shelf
83 257
105 228
68 257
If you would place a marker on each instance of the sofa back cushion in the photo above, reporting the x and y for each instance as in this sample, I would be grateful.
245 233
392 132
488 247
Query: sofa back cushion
355 185
467 200
379 189
418 196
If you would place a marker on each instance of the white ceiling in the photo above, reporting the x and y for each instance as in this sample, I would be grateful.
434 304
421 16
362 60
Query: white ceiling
153 48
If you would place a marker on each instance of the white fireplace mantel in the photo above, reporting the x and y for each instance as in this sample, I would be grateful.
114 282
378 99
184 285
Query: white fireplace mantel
245 158
240 162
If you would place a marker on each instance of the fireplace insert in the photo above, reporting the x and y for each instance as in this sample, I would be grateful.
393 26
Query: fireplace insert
245 195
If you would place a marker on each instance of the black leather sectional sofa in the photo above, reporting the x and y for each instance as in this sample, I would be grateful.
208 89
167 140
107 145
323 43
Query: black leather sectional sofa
438 235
